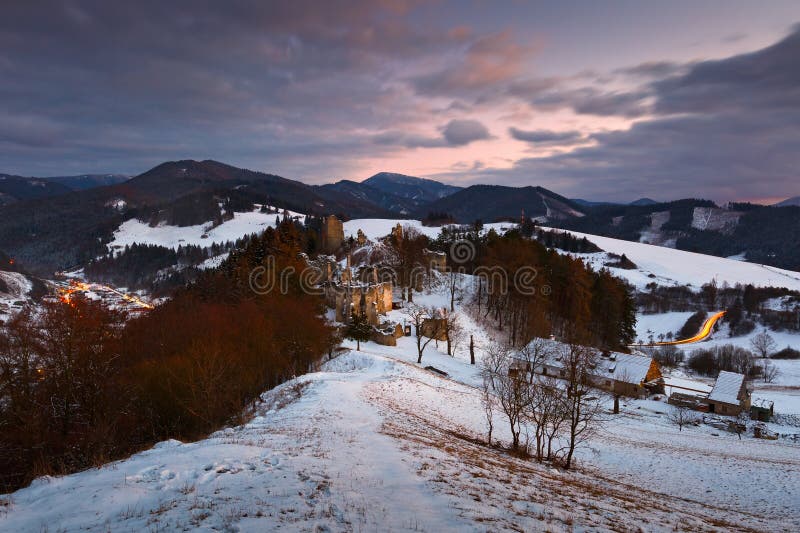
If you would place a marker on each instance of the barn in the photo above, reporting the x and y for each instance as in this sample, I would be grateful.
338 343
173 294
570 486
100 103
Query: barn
730 395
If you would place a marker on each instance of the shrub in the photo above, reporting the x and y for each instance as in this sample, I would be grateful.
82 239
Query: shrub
669 355
692 325
786 353
728 357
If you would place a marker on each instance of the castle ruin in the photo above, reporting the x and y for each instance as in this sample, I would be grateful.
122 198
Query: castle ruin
332 234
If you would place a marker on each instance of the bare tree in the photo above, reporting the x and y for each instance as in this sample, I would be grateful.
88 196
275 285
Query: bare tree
418 316
769 371
681 415
533 355
547 413
582 404
763 344
454 332
511 392
471 350
454 286
487 402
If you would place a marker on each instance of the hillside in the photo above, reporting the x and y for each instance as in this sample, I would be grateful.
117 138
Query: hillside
53 233
794 200
669 267
17 188
88 181
374 442
389 201
419 191
494 202
759 234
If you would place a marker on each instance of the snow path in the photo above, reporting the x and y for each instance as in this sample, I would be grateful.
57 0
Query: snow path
319 462
375 443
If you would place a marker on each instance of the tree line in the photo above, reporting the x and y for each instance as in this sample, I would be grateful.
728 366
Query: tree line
528 290
82 384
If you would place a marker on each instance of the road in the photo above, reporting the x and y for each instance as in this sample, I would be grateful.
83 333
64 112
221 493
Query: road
704 332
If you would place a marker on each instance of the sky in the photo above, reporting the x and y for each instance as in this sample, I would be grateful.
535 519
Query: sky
606 101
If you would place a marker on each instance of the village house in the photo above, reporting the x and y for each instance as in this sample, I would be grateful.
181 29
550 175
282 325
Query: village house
631 375
730 395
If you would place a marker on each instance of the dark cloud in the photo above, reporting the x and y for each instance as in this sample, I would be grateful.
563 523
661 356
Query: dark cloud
90 80
726 130
454 133
547 136
763 80
592 101
653 69
461 132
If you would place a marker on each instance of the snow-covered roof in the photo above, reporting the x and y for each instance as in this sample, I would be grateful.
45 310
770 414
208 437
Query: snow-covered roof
627 368
727 387
685 386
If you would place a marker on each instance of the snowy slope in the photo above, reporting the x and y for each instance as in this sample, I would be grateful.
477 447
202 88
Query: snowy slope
18 288
677 267
135 231
374 443
375 228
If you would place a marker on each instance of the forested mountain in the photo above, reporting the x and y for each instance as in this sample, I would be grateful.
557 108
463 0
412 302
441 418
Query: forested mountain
18 188
47 227
494 202
88 181
421 191
57 232
364 192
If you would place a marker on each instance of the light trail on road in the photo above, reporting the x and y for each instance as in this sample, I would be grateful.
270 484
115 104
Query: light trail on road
703 334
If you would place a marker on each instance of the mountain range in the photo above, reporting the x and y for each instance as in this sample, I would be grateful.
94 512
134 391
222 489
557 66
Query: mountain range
54 223
17 188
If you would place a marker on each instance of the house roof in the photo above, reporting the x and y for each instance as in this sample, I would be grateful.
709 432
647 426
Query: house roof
627 368
727 387
623 367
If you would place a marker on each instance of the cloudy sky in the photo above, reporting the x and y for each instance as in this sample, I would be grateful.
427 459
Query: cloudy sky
598 100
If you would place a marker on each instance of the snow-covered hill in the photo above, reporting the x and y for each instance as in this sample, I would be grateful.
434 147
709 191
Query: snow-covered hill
667 266
374 442
14 289
204 235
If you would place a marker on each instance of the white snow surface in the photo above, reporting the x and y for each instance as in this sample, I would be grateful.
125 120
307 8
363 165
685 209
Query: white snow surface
18 288
374 442
242 224
677 267
375 228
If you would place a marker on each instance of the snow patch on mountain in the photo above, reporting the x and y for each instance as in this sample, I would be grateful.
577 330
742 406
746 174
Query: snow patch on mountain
204 235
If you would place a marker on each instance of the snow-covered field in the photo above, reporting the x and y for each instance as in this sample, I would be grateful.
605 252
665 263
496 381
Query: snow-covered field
374 442
784 391
667 266
242 224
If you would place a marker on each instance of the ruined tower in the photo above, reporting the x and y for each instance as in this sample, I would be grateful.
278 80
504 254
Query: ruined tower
332 234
